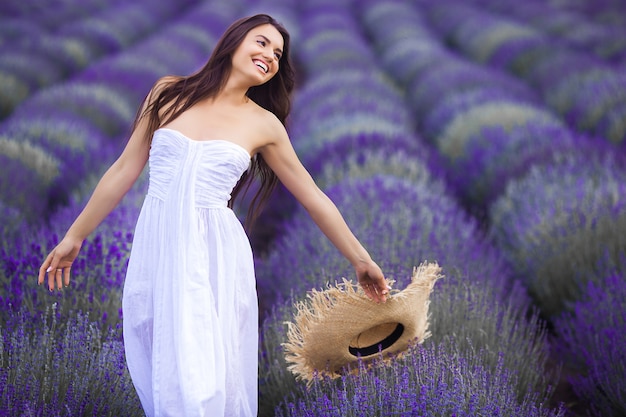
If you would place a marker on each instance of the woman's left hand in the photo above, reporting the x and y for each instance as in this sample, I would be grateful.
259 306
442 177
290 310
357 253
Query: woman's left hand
373 282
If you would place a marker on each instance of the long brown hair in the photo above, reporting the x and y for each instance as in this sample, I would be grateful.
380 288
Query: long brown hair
274 96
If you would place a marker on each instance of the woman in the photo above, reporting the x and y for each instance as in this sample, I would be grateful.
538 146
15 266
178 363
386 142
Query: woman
190 307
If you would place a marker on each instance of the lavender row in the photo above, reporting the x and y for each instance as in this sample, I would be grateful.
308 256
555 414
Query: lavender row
403 214
49 15
554 199
63 366
582 89
487 126
562 225
468 115
601 11
575 28
592 338
448 383
37 59
62 133
577 237
61 353
571 217
98 274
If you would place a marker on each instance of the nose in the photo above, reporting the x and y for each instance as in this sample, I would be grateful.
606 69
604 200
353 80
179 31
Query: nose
268 55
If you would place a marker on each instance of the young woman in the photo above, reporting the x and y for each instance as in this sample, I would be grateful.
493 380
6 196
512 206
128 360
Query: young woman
190 306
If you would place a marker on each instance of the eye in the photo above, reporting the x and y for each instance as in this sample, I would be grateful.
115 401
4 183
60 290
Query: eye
261 42
277 56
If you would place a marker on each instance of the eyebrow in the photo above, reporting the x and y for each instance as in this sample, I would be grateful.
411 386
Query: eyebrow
270 42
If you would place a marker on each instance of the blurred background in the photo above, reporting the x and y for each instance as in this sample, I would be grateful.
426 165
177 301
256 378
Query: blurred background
486 135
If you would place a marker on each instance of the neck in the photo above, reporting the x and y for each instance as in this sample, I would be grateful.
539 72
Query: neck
231 99
233 94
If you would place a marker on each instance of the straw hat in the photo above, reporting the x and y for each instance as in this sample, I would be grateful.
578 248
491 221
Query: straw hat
340 325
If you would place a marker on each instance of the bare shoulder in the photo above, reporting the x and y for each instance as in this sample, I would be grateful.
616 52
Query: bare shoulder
270 127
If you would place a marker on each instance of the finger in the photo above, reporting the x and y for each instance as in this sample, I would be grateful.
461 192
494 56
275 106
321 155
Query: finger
51 275
382 293
66 276
59 278
373 293
43 269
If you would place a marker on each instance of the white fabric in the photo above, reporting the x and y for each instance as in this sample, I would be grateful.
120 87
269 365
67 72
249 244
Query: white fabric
190 304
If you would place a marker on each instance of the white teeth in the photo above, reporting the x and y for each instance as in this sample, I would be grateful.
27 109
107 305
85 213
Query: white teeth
261 65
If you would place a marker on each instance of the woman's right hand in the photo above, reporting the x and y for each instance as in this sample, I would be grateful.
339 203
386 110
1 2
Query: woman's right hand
373 282
58 263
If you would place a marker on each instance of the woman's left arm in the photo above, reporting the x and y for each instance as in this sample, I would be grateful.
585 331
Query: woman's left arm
282 159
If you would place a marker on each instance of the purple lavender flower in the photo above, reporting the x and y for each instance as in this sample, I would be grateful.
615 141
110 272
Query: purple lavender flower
573 28
400 222
556 224
330 39
520 56
33 172
95 103
495 157
402 38
585 98
592 337
132 76
558 76
63 366
19 80
17 28
71 53
433 380
98 273
348 154
463 96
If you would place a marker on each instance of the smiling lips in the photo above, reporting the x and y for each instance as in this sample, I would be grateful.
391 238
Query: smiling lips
261 65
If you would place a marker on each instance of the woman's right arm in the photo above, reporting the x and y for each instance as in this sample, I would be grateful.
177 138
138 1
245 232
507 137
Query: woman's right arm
111 188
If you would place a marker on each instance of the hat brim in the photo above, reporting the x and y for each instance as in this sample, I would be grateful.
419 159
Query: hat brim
340 325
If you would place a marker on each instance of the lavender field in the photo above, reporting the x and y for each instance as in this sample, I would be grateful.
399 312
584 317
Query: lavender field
486 135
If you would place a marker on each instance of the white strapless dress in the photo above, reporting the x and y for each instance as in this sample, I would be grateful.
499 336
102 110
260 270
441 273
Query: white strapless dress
190 309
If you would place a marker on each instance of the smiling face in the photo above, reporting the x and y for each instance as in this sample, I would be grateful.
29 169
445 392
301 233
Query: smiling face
257 57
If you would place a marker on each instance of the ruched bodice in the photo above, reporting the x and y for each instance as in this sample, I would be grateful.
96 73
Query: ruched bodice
214 166
190 305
